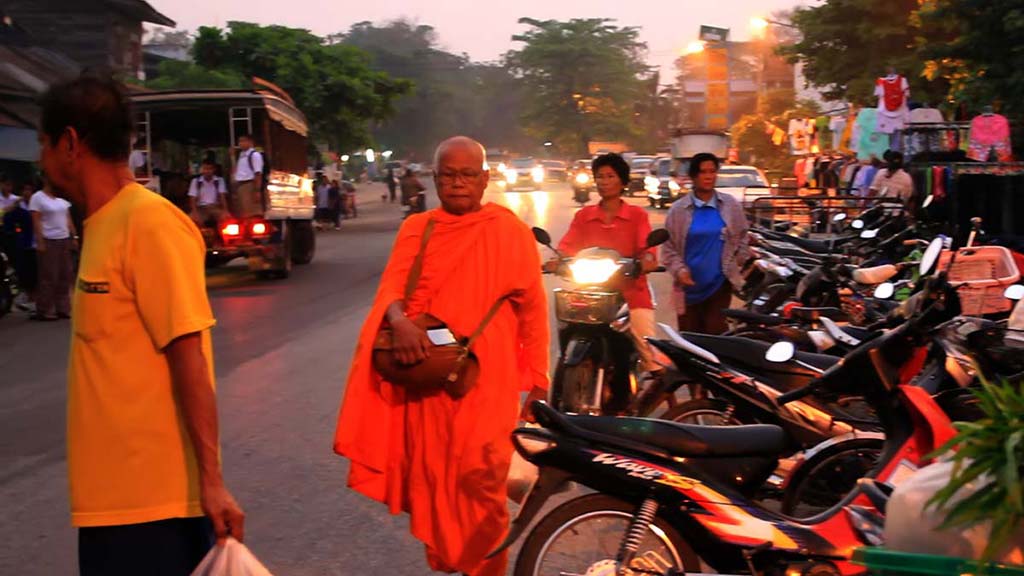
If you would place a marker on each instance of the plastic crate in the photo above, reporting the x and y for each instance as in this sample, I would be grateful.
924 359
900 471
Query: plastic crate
983 273
882 562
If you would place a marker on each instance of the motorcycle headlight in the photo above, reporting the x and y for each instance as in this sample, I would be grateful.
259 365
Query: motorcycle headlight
502 168
538 174
582 178
511 175
593 270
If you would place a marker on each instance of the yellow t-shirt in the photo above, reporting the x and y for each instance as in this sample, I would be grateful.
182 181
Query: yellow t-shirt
141 284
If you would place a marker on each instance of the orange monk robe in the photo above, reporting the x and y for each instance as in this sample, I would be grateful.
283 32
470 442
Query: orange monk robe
446 461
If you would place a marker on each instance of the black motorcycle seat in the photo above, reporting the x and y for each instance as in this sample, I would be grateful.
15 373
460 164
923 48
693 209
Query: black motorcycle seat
811 314
747 355
810 244
691 441
749 317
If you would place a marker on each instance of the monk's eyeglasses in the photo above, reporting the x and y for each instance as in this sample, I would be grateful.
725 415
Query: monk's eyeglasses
466 176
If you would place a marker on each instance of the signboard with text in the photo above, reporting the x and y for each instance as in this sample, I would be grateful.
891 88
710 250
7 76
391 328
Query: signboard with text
713 34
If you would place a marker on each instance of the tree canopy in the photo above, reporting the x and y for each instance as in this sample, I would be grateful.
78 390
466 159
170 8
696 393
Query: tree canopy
582 81
333 84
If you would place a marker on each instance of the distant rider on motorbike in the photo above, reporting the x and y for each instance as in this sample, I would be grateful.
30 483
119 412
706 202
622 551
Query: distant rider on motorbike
616 225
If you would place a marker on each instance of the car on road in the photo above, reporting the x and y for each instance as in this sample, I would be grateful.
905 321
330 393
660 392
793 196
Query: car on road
525 173
497 164
745 183
555 171
661 184
639 169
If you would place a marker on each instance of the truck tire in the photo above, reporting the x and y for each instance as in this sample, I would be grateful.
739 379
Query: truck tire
303 241
283 261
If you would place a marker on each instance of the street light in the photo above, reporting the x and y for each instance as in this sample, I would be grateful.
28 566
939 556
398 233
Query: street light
758 26
387 154
695 47
548 144
344 157
370 156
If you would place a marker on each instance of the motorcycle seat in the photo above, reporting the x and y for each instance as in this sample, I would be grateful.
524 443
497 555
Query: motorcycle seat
690 441
747 355
811 314
749 317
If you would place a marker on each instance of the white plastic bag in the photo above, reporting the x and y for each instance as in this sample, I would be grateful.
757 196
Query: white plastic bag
521 475
911 526
231 559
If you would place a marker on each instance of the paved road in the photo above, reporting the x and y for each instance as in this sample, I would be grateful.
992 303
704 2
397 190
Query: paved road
282 350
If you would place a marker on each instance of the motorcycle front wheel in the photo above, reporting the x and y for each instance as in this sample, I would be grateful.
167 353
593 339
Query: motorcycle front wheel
574 386
588 531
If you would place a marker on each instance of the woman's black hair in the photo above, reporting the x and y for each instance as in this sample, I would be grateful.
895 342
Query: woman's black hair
694 169
615 162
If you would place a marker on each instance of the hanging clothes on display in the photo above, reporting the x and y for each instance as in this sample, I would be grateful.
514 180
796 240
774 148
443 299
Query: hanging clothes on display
800 172
990 136
869 142
801 131
892 91
837 125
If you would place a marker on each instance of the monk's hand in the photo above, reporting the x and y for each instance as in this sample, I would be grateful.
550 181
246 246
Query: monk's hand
409 342
535 394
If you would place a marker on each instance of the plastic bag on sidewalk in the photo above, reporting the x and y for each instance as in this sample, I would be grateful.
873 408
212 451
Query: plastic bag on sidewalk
521 475
231 559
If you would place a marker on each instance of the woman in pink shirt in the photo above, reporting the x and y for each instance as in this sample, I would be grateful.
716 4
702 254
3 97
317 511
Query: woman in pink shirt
616 225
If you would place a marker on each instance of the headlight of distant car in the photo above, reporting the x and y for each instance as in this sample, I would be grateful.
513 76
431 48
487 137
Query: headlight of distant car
593 270
582 178
511 176
651 184
502 168
538 174
487 167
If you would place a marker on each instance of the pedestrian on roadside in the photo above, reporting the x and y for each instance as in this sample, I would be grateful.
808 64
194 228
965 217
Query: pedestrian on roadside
444 458
142 431
249 179
322 211
392 184
8 197
348 191
208 196
412 192
707 245
19 230
335 203
56 237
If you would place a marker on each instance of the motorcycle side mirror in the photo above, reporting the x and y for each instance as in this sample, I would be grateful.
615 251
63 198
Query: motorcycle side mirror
780 352
885 290
869 234
928 201
657 237
1014 292
931 257
541 236
839 217
857 224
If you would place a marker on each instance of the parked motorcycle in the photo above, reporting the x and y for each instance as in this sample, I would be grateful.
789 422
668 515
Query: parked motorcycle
670 496
597 370
8 284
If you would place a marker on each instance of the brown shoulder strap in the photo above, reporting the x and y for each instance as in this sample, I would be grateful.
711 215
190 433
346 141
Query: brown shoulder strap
417 264
487 320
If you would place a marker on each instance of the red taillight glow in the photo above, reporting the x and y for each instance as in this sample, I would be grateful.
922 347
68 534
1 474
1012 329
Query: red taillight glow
232 229
259 229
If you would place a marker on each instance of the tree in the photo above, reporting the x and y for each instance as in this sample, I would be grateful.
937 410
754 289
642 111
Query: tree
846 44
750 134
581 79
175 74
977 47
452 95
333 84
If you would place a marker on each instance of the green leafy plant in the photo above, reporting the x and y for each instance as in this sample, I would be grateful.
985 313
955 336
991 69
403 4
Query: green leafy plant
992 450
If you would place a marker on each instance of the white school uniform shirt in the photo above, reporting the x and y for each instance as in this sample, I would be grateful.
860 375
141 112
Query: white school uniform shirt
206 192
243 171
53 215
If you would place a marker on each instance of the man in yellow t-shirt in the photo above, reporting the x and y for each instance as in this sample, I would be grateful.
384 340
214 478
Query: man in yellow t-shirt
143 459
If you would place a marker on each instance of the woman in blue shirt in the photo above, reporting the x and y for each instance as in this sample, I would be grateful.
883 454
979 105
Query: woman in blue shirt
707 246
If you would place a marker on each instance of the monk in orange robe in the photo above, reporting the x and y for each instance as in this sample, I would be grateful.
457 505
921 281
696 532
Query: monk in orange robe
444 461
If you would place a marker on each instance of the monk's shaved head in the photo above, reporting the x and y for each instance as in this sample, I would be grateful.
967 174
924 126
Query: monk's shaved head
459 175
464 142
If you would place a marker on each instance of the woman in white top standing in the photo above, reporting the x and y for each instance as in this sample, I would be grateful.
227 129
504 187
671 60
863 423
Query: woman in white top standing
55 239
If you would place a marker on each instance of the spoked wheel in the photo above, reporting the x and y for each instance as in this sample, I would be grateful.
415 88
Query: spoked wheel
574 386
583 536
829 476
704 412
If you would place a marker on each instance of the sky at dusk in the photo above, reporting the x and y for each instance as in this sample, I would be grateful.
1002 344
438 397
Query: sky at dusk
483 28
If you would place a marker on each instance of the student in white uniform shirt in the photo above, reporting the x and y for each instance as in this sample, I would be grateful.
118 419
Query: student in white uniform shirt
55 237
207 196
249 179
8 199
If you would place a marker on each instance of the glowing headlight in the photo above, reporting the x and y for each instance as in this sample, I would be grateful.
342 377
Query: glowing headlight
582 178
487 167
538 174
511 176
593 271
651 184
502 168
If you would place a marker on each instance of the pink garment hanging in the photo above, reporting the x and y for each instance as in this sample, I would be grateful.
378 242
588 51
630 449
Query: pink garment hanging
989 132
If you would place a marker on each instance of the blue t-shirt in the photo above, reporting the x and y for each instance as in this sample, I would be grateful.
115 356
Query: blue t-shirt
704 244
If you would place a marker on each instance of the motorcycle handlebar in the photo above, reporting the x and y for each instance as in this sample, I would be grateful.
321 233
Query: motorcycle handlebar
797 394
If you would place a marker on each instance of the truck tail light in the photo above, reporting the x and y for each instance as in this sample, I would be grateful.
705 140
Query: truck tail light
259 229
231 230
